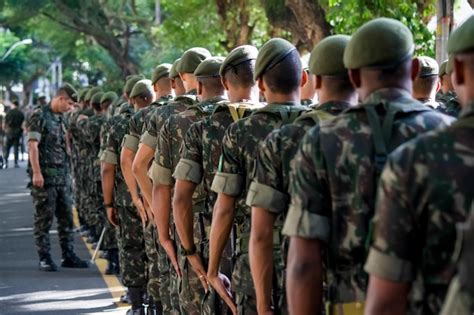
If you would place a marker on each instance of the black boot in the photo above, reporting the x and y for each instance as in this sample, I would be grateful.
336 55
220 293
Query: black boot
47 264
154 308
92 238
70 260
136 299
112 262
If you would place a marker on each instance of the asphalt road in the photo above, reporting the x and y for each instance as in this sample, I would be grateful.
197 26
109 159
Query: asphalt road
26 290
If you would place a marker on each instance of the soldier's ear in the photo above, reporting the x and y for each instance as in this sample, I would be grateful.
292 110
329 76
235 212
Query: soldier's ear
459 75
415 68
354 76
304 78
317 82
225 83
199 88
261 85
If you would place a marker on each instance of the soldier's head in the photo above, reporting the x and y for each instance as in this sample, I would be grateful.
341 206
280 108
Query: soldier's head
208 78
107 99
161 80
95 101
427 82
332 81
190 60
176 82
129 83
461 48
89 94
380 55
42 99
237 73
279 72
142 93
445 78
65 98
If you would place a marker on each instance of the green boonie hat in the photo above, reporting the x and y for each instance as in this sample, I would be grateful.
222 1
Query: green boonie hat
450 64
271 53
192 58
442 68
70 91
174 69
161 71
95 99
210 67
91 93
428 67
378 44
82 93
143 86
237 56
327 56
127 89
462 39
109 97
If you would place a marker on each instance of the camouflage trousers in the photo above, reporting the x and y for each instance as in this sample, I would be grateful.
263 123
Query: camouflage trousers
243 285
132 256
153 285
81 192
51 201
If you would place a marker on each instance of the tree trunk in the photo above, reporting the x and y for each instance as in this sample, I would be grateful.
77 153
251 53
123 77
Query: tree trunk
234 16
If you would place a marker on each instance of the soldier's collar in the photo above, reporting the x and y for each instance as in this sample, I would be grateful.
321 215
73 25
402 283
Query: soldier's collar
386 94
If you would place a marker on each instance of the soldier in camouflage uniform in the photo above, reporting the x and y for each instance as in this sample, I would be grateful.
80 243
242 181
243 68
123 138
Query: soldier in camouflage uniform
425 189
279 73
14 132
50 185
337 165
449 100
268 194
169 286
199 159
427 84
121 210
210 90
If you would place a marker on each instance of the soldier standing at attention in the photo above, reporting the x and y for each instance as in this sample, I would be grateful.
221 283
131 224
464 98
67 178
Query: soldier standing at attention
333 182
425 190
51 187
280 76
268 194
427 84
14 131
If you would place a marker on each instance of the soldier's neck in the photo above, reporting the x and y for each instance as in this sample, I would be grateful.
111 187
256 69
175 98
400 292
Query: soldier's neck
283 98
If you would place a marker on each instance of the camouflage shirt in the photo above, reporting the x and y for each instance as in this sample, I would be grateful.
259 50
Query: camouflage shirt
14 120
449 104
91 130
425 189
333 183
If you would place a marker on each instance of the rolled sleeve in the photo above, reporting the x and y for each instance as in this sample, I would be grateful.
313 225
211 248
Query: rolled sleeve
131 142
34 136
227 183
110 157
389 267
302 223
149 140
160 175
188 170
267 197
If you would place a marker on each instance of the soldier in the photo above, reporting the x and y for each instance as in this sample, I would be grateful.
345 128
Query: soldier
2 134
121 210
199 159
210 90
307 91
427 84
14 132
50 185
337 165
279 73
449 101
268 194
425 189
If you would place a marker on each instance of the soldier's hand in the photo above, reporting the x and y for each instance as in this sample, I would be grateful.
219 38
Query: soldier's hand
198 267
168 245
38 180
141 210
112 216
221 284
148 211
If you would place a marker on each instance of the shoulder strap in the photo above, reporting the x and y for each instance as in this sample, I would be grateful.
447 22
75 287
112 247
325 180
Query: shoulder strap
315 115
238 110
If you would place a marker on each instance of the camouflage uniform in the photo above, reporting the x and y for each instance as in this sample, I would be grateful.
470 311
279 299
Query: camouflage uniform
336 157
200 154
169 282
166 160
235 172
269 189
425 189
53 199
449 104
14 120
131 245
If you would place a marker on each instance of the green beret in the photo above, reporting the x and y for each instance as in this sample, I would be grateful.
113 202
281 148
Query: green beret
95 99
442 68
143 86
462 39
327 56
70 91
428 67
237 56
109 97
127 89
91 92
82 93
272 53
450 65
378 44
209 67
192 58
174 69
162 70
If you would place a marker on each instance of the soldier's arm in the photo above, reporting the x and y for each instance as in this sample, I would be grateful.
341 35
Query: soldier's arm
35 125
140 166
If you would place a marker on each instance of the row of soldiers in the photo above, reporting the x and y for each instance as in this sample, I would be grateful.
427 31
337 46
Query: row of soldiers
212 201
